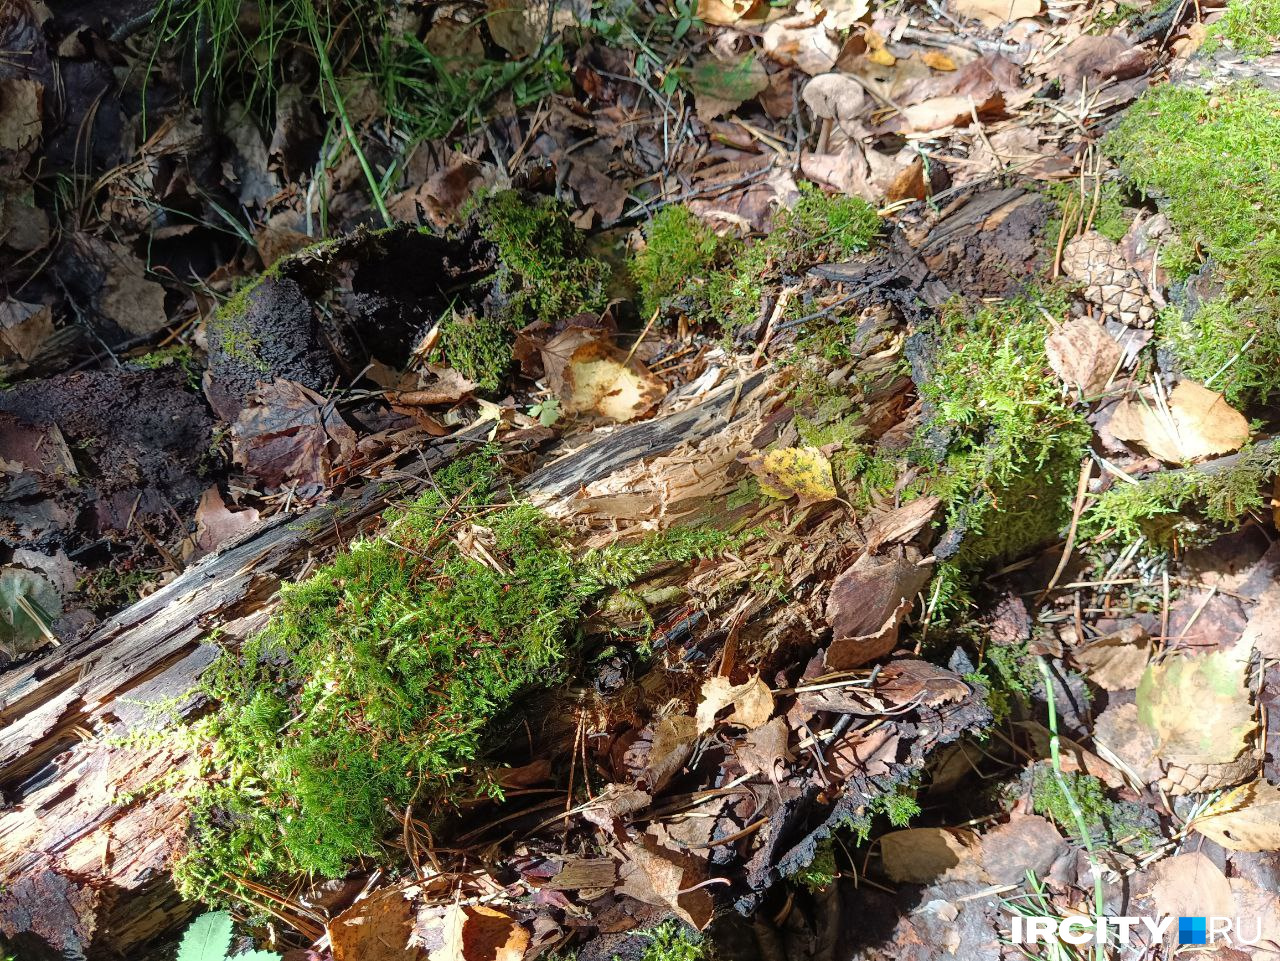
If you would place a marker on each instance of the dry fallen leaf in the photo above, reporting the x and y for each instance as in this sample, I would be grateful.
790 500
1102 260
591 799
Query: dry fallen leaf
1190 884
725 13
902 523
867 604
803 472
1199 424
1198 706
1245 819
1262 631
938 60
1083 354
801 42
927 855
24 329
589 373
216 524
720 86
993 13
657 875
752 703
1116 662
288 433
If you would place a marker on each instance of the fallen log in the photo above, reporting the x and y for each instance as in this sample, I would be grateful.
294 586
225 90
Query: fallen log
84 846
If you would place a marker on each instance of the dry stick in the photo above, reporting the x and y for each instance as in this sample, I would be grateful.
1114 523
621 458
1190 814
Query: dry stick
631 353
1086 469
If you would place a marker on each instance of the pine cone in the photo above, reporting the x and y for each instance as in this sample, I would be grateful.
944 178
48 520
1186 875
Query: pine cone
1097 263
1202 778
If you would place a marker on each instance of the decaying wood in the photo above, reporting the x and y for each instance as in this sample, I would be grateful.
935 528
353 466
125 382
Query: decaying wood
84 846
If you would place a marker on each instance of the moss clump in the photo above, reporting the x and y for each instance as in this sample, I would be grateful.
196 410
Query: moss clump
1108 822
817 228
543 273
999 444
680 250
1249 27
543 269
1220 186
1159 508
371 688
670 941
1230 345
820 873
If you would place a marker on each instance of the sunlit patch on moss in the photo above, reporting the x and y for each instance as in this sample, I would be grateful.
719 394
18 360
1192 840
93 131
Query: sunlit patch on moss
1248 27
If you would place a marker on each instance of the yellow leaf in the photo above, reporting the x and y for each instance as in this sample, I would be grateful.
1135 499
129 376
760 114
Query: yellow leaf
1246 819
804 472
1197 424
938 60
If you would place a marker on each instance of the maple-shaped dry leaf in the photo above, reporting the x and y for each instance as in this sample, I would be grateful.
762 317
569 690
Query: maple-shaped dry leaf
802 472
1199 423
1198 706
752 703
1245 819
1083 354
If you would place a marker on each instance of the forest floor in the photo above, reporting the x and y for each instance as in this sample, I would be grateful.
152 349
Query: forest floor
810 470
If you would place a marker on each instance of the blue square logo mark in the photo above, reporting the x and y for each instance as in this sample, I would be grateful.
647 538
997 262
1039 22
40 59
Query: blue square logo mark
1191 931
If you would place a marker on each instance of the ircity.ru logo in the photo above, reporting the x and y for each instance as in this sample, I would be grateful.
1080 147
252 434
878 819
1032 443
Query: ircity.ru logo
1117 930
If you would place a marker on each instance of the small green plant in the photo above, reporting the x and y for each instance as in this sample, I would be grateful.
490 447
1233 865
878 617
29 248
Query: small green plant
822 872
671 941
1108 822
208 938
1249 27
180 356
679 252
374 684
1232 346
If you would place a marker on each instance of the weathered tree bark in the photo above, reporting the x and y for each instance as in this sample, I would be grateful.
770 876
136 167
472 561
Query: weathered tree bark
84 846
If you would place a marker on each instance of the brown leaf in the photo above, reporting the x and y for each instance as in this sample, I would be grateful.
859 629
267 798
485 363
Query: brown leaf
928 855
1245 819
1026 842
215 524
288 433
657 875
954 111
1116 662
728 12
911 681
867 604
902 523
1199 424
20 108
801 42
672 746
1189 884
377 928
128 299
1262 631
762 749
24 329
1083 355
720 86
752 703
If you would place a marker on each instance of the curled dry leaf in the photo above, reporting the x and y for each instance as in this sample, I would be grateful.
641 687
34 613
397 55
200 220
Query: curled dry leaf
1117 661
216 524
590 374
752 703
1198 706
902 523
803 472
1245 819
24 330
289 433
1199 424
801 42
867 604
1083 355
657 875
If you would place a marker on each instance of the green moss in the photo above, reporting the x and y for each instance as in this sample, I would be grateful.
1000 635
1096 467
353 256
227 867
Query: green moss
1249 27
229 333
670 941
819 227
1172 505
999 444
1108 822
373 685
543 273
1110 218
822 871
543 266
179 355
679 252
1219 187
1230 345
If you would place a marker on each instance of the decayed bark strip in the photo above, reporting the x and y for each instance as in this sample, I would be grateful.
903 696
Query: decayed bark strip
83 864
